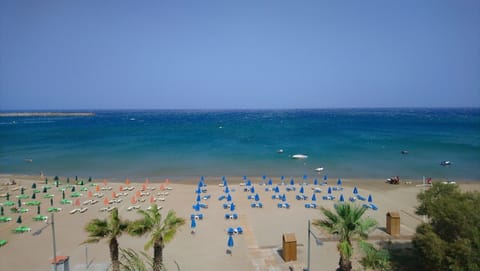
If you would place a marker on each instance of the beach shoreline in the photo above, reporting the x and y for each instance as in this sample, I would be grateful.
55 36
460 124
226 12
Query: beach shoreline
258 247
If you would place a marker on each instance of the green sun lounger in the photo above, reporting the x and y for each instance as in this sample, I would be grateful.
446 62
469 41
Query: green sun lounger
3 242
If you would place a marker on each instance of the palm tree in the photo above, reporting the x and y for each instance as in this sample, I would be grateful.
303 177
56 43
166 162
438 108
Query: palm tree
110 230
346 223
161 231
133 261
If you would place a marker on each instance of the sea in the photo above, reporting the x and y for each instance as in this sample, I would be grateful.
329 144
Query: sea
185 144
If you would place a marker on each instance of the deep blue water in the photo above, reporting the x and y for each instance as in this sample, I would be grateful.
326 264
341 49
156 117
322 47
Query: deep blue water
346 142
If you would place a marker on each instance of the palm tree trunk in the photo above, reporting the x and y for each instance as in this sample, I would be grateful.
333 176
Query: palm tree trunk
157 256
344 263
114 254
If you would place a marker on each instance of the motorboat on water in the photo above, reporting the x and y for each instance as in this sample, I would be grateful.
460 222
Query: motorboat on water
280 151
404 152
445 163
299 156
319 169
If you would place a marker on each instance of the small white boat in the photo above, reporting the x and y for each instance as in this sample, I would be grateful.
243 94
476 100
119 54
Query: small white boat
280 151
319 169
446 163
299 156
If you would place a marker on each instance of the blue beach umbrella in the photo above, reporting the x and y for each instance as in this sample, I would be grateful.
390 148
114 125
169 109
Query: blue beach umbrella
370 199
252 189
284 198
304 176
198 197
227 190
314 197
194 224
198 191
329 191
244 177
264 177
301 190
270 182
324 177
229 197
341 198
355 190
202 178
276 189
232 207
196 207
339 182
230 241
292 182
257 197
315 182
225 182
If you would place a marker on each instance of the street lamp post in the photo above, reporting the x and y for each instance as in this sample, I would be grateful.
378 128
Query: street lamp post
309 232
54 245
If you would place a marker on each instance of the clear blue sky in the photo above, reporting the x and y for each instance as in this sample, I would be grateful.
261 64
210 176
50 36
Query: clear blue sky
238 54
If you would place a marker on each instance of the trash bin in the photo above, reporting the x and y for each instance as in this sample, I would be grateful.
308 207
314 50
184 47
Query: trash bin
289 247
62 263
393 223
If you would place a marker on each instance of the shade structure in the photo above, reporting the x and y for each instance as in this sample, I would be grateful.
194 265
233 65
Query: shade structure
329 191
314 197
252 189
196 207
77 202
339 182
325 177
305 177
270 182
73 188
302 190
19 219
133 200
34 185
276 189
19 203
38 209
342 199
63 194
227 190
257 197
147 181
370 199
315 182
230 242
34 195
232 207
105 201
2 211
225 182
229 197
292 181
90 194
127 181
51 201
198 198
284 198
249 183
264 177
198 191
152 199
355 190
193 225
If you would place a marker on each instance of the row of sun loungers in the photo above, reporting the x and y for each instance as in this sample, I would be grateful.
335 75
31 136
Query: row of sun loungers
133 207
231 216
257 205
79 210
107 209
283 205
90 202
196 216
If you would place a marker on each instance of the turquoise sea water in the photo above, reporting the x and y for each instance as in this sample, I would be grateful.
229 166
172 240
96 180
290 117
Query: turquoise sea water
177 144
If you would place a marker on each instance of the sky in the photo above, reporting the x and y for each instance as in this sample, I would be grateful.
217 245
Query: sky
75 55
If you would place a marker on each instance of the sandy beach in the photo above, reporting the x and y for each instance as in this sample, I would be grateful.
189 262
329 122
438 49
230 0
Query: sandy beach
257 248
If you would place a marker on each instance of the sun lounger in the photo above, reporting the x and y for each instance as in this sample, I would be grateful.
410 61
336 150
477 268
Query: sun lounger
83 210
3 242
316 190
276 196
222 197
141 199
301 197
257 205
283 205
5 219
290 188
362 198
328 197
74 211
370 206
231 216
337 188
158 207
94 201
310 205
